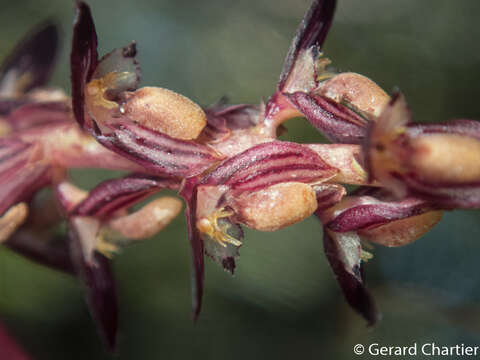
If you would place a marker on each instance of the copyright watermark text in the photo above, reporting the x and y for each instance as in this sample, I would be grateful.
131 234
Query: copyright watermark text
426 349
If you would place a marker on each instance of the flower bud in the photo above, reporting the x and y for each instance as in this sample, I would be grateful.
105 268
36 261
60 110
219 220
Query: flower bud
437 162
165 111
277 206
402 232
446 158
380 220
150 126
110 99
357 91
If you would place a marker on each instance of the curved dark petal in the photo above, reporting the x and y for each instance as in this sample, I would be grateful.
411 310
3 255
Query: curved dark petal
344 256
367 215
189 193
53 252
198 267
83 58
268 164
31 63
9 349
37 114
312 31
157 152
20 173
97 279
116 194
335 121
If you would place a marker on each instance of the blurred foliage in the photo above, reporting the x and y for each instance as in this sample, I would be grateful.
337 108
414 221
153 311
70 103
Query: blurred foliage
283 301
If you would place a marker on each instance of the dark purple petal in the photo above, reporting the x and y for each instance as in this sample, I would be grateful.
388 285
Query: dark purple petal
303 64
344 256
113 195
83 58
20 173
376 213
335 121
9 349
312 31
37 114
97 279
52 252
268 164
157 152
31 63
189 192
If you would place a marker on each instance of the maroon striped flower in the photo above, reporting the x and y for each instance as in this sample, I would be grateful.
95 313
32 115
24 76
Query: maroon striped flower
339 105
101 226
151 126
370 215
225 161
436 162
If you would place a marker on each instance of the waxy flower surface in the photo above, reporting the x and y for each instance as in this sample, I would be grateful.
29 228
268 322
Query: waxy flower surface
225 161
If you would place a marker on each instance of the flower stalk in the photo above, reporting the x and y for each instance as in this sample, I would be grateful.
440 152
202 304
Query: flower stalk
224 161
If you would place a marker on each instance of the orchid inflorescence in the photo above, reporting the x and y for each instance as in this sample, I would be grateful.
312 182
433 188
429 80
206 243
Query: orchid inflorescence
224 161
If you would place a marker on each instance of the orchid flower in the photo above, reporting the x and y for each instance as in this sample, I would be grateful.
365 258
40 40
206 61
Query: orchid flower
226 163
40 142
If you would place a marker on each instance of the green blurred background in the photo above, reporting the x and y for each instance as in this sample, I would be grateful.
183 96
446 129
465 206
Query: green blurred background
283 301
